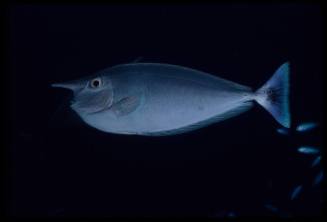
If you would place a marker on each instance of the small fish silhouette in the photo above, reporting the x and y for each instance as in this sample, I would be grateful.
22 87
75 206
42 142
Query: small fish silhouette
318 178
304 127
316 161
296 192
283 131
308 150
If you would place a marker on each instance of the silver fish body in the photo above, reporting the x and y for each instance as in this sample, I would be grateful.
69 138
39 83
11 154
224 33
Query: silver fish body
161 99
316 161
318 178
296 191
283 131
307 126
308 150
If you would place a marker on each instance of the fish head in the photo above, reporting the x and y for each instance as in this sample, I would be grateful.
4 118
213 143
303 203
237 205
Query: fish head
90 95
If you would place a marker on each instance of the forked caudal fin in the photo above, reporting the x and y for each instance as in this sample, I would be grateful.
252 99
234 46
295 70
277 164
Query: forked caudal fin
274 95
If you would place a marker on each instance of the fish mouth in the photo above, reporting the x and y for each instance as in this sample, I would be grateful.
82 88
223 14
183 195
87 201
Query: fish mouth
75 106
92 104
87 102
107 107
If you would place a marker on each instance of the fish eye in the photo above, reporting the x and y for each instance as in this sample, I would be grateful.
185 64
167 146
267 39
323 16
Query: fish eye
95 83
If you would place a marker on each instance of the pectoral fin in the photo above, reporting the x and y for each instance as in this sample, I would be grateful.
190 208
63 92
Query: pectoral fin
126 105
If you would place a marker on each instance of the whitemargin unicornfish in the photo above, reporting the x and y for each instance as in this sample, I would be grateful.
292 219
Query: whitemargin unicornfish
155 99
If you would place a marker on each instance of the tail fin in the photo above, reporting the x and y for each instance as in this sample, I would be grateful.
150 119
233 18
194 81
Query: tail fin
274 95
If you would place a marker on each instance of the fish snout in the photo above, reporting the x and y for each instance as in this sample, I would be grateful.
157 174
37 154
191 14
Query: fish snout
67 85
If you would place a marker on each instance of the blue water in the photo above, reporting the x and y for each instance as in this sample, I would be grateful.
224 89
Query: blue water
58 166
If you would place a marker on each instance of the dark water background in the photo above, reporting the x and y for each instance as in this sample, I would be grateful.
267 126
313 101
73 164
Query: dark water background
59 166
